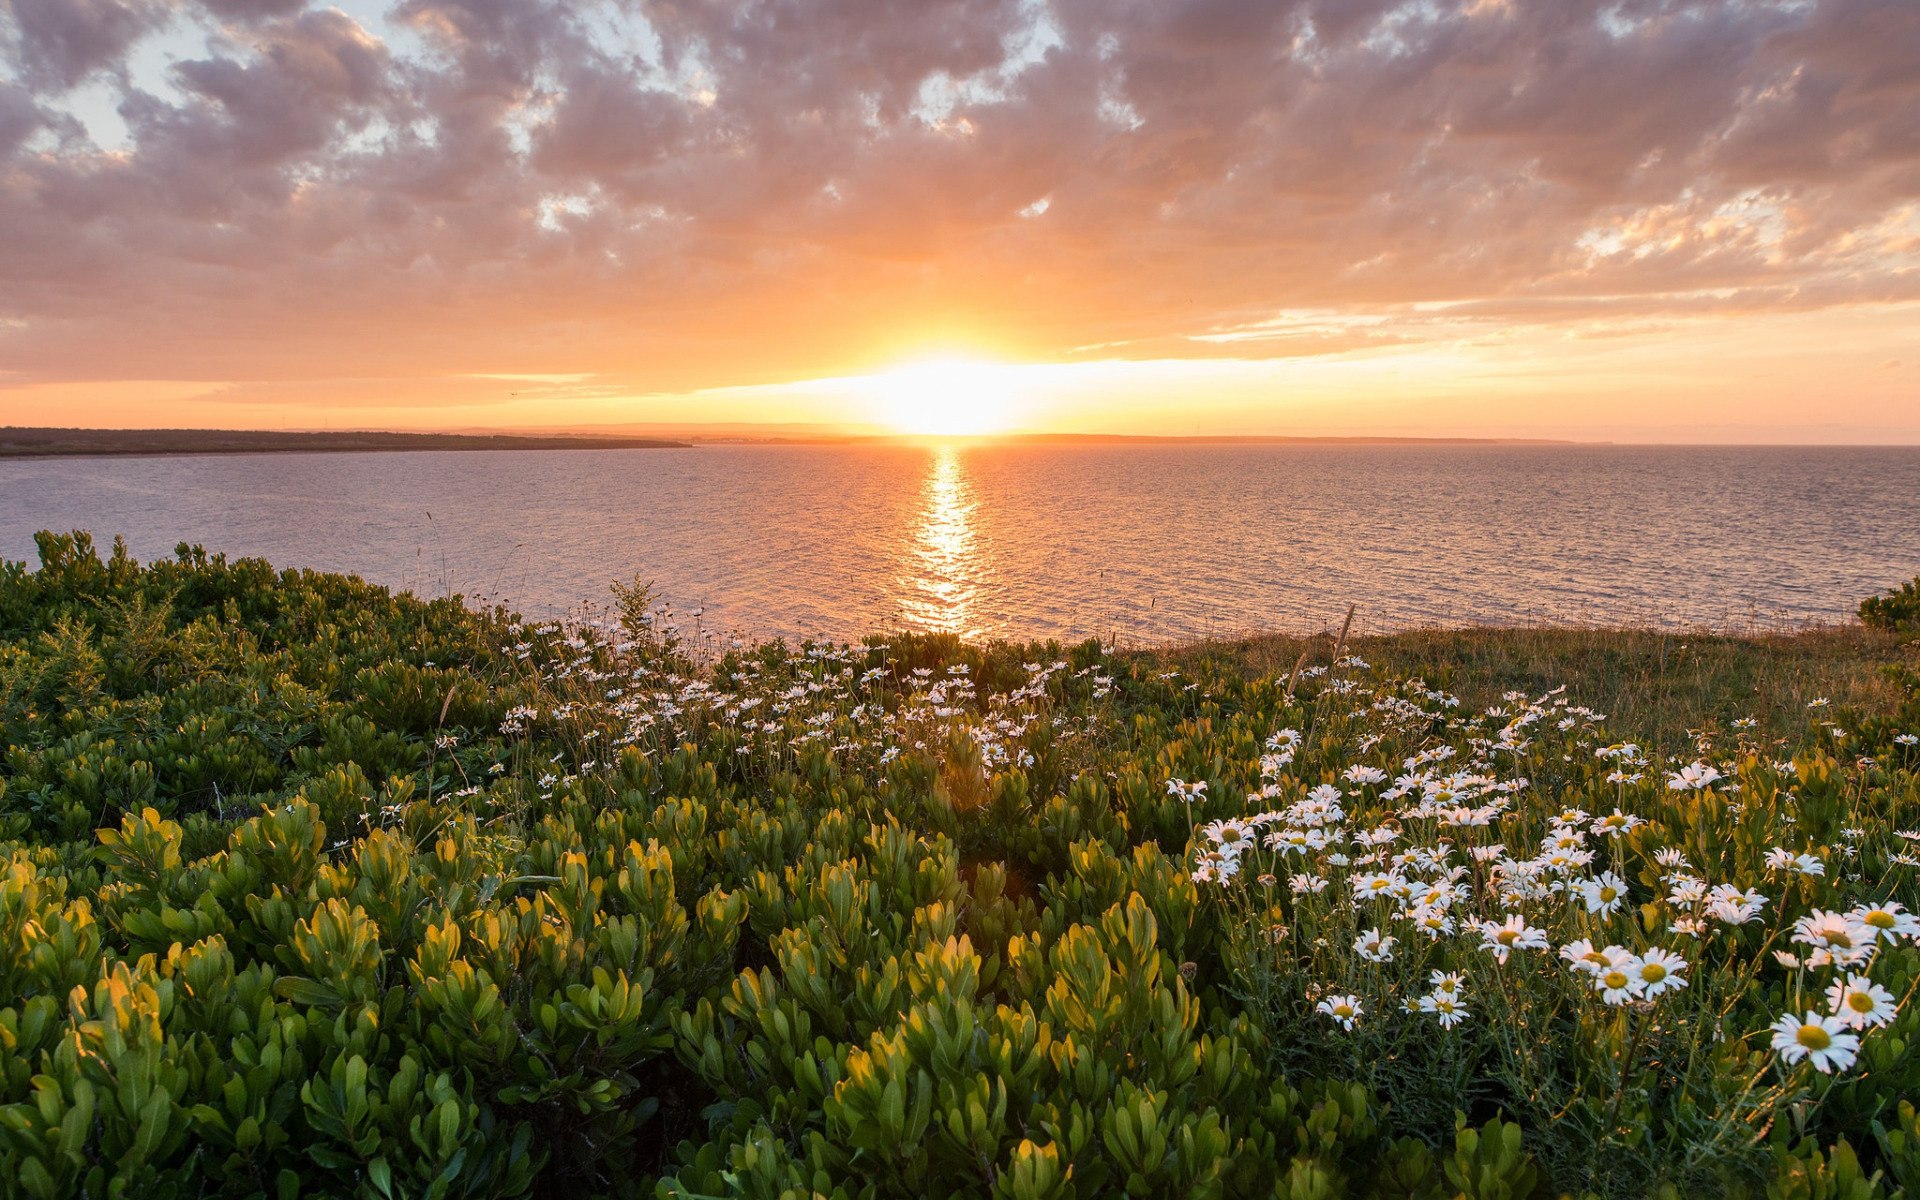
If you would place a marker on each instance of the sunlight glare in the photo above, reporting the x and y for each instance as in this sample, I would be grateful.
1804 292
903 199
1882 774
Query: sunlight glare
946 397
943 582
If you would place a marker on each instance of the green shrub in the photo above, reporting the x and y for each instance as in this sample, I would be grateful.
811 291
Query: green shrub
1898 610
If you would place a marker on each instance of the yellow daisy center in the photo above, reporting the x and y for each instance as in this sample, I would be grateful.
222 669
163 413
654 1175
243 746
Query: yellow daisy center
1813 1037
1607 894
1860 1002
1615 979
1880 919
1653 972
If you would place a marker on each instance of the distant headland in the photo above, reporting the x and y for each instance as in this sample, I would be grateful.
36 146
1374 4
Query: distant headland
18 442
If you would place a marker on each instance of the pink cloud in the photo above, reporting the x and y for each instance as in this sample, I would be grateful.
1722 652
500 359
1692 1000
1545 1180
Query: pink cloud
702 193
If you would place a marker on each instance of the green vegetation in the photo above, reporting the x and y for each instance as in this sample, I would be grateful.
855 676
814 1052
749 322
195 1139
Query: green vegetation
315 890
1897 610
1660 689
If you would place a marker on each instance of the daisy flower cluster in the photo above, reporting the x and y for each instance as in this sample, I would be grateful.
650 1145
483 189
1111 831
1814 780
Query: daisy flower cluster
1519 856
774 706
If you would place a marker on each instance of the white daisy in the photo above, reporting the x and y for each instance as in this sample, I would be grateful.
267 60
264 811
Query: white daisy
1861 1003
1818 1038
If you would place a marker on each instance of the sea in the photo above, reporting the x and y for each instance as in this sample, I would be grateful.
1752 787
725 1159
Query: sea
1137 544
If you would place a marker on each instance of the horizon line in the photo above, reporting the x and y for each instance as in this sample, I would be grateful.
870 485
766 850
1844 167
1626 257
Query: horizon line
24 442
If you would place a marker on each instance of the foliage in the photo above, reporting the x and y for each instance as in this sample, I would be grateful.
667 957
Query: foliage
1899 609
314 889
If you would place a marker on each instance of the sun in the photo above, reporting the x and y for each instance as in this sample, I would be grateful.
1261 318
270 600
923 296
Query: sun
946 397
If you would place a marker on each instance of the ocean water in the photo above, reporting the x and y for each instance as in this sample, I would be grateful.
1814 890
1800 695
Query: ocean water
1139 543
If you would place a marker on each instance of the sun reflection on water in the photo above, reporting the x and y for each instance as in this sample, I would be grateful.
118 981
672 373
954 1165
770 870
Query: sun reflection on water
942 591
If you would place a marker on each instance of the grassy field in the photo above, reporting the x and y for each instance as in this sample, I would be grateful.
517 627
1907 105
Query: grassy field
1656 687
312 889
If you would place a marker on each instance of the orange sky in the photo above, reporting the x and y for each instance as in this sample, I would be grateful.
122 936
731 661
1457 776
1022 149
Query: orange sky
1635 220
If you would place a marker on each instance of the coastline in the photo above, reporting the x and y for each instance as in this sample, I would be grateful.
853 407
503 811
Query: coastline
29 443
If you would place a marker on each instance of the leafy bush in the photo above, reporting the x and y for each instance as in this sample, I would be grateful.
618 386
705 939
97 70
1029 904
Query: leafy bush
1899 609
314 889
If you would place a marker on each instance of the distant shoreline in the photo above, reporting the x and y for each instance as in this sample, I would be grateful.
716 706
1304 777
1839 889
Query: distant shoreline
36 442
18 442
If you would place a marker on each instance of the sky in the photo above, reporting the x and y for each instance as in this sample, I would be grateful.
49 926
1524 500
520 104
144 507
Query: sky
1636 220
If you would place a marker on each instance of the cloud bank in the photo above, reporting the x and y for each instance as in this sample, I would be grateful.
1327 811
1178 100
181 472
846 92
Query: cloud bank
702 193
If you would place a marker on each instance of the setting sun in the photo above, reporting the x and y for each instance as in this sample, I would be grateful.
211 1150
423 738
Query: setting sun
946 397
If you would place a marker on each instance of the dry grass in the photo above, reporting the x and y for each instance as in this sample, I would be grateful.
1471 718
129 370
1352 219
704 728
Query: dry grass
1655 686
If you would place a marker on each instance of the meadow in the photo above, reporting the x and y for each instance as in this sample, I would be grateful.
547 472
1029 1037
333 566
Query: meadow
315 889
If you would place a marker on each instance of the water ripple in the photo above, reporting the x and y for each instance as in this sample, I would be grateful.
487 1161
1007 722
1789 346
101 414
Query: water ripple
1139 543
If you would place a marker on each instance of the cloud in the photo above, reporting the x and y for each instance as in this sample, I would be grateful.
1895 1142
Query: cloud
697 193
58 43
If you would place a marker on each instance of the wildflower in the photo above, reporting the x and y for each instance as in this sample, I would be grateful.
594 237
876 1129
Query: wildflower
1563 837
1512 934
1729 904
1861 1003
1297 841
1692 927
1605 894
1368 885
1616 823
1431 921
1661 971
1816 1038
1344 1009
1836 938
1684 891
1364 775
1888 920
1188 792
1488 853
1781 859
1619 981
1375 946
1905 739
1326 793
1303 884
1692 777
1582 956
1265 880
1563 862
1447 981
1232 835
1447 1006
1788 960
